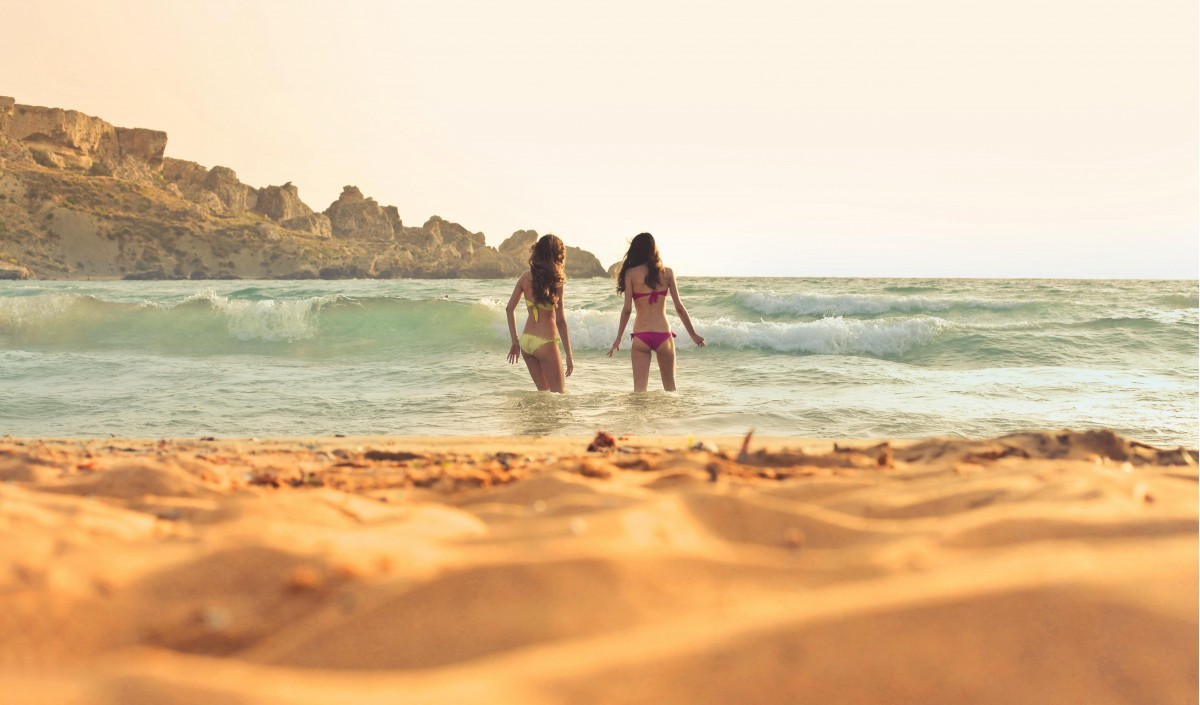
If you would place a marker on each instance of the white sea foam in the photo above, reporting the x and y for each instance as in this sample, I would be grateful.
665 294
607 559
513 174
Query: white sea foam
771 303
267 319
41 310
1172 317
492 303
595 330
827 336
588 329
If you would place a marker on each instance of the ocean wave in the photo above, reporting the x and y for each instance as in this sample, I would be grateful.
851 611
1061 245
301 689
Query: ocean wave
209 322
774 304
594 330
1152 320
206 322
1179 301
334 324
57 316
22 312
911 289
265 319
827 336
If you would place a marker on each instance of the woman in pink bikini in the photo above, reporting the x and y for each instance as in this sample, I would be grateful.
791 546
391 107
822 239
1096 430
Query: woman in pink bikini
646 282
542 289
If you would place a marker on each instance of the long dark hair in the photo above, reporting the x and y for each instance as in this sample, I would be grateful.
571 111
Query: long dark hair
546 258
642 250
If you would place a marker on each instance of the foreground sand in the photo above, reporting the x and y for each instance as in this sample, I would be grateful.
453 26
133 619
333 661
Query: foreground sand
1036 568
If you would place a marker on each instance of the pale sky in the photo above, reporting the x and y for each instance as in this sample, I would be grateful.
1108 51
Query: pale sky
944 138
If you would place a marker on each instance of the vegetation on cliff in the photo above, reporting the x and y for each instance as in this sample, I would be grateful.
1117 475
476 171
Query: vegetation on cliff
81 198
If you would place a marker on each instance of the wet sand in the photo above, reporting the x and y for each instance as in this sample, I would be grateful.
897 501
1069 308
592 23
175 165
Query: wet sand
1052 567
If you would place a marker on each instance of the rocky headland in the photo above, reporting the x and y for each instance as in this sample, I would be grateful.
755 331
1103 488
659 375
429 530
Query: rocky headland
80 198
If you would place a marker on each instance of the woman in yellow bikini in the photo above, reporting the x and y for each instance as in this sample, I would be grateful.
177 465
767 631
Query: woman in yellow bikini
542 289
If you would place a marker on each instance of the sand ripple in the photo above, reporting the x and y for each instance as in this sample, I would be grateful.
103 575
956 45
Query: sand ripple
1034 568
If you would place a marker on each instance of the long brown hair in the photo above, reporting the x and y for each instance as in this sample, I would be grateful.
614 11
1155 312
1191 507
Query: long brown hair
642 250
546 259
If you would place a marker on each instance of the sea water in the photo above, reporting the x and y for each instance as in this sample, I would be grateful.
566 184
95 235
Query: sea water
834 358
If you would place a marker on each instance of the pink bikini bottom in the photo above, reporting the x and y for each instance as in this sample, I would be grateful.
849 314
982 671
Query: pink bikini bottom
652 339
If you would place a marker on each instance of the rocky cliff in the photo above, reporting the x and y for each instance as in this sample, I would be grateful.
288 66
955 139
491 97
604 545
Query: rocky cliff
580 263
81 198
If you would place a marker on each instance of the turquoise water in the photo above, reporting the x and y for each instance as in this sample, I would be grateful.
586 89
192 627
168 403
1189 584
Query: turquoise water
804 357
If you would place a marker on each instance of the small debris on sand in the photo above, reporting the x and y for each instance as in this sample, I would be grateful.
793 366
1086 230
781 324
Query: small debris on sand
602 443
744 453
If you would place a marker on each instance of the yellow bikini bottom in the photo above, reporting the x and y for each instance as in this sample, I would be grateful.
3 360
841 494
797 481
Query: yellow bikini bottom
531 343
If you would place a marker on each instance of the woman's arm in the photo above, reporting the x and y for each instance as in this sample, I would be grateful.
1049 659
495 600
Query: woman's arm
679 309
625 311
561 322
514 352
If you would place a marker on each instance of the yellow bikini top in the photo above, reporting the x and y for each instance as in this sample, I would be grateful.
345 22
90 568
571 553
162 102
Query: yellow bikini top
533 307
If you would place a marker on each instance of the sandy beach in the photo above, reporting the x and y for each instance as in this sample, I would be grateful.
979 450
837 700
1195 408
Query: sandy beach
1035 568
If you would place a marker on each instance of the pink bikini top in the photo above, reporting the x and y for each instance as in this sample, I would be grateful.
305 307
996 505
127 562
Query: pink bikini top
654 295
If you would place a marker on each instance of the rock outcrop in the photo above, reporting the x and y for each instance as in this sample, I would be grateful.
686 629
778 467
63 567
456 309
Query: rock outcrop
71 136
217 189
354 216
7 107
8 271
444 233
233 194
580 263
315 224
82 198
282 204
441 246
187 176
67 138
142 145
517 245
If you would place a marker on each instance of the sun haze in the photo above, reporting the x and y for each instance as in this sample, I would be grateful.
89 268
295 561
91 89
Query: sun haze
859 138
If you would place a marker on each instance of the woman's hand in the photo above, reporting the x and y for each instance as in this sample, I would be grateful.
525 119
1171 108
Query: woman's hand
615 347
697 339
513 353
570 367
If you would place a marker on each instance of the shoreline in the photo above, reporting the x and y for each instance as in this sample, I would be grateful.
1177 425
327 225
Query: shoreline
433 443
676 441
839 277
